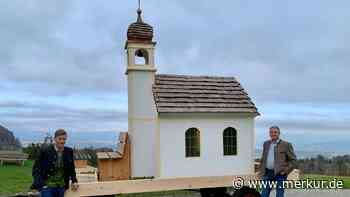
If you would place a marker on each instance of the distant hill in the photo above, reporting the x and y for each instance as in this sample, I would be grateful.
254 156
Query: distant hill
302 154
8 141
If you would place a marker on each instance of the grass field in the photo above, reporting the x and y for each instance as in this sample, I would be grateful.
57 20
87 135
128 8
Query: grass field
15 178
346 180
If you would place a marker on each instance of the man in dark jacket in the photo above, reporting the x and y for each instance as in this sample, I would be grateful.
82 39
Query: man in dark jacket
54 168
277 161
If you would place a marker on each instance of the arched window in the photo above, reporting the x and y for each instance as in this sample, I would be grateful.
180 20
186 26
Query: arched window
192 142
230 141
141 57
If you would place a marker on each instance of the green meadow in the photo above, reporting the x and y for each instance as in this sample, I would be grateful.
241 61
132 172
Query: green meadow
15 178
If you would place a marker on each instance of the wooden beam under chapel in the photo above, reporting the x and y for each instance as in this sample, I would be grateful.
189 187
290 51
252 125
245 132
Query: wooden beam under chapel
154 185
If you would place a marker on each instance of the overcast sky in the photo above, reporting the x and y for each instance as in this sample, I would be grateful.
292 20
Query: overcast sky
62 62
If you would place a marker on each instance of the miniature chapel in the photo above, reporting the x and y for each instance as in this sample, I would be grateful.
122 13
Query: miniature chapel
184 125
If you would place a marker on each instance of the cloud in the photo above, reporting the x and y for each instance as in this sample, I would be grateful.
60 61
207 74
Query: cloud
58 49
305 116
47 117
286 52
73 46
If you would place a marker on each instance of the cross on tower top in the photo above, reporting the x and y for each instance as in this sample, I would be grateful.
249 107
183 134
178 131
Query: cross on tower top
139 12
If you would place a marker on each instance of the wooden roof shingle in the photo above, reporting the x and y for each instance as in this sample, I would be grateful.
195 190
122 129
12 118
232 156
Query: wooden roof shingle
188 93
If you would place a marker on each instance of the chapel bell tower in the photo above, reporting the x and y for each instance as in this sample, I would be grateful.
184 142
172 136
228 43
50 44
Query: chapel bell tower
142 112
140 45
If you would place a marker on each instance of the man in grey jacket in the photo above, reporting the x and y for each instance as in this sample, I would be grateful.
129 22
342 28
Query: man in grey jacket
277 161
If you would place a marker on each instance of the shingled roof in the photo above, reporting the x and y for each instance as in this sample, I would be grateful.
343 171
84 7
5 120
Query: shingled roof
186 93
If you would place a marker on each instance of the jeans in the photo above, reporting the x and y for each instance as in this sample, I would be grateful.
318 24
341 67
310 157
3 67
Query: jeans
52 192
270 176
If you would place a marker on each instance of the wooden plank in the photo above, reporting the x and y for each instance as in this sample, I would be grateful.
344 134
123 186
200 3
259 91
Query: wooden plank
189 95
194 83
153 185
209 105
200 100
103 169
87 178
184 109
110 168
191 87
221 92
121 167
195 78
108 155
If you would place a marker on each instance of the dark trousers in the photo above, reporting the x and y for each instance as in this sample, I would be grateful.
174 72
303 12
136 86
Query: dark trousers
270 177
52 192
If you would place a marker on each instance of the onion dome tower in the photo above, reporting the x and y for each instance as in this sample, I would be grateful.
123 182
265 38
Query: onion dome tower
140 45
142 111
140 31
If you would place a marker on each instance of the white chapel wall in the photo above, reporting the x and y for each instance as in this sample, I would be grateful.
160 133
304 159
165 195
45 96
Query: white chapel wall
211 162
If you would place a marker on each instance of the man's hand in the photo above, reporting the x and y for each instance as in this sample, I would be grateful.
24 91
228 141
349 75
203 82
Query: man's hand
75 186
259 175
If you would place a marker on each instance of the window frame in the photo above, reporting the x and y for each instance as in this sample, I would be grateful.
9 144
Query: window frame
230 141
194 138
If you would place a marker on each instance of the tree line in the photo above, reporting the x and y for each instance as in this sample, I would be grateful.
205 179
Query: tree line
333 166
